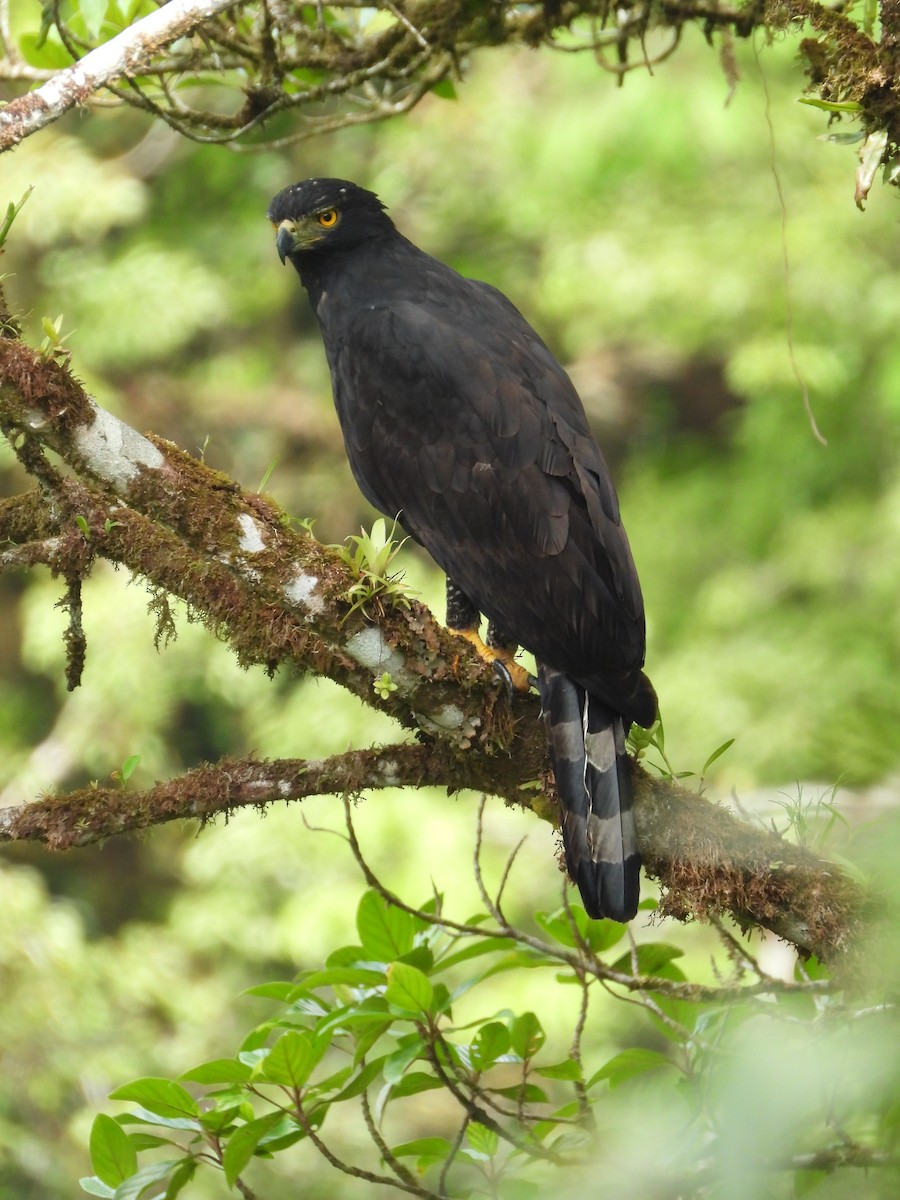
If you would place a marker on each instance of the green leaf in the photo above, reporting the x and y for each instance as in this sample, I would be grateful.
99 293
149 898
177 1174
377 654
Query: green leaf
445 89
529 1094
491 1041
243 1143
47 52
526 1035
838 106
474 949
427 1147
146 1117
599 935
569 1069
219 1070
349 976
181 1176
396 1064
414 1082
408 988
482 1139
628 1064
113 1157
93 13
132 1187
12 211
277 990
717 753
652 957
290 1060
371 1071
161 1097
807 1181
129 766
385 931
96 1187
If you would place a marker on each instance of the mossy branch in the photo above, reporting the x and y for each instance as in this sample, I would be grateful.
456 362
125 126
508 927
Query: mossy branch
278 597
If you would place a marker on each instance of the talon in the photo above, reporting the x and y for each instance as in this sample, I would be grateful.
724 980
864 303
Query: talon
501 669
514 676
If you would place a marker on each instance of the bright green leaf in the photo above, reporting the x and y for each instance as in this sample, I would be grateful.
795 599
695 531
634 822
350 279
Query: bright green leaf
652 957
628 1064
113 1157
132 1187
414 1082
160 1096
717 753
290 1060
93 13
385 931
408 988
526 1035
220 1070
491 1041
396 1064
96 1187
568 1069
838 106
181 1176
243 1143
277 990
430 1147
482 1139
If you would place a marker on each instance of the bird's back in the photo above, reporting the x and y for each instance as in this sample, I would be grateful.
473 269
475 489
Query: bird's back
457 416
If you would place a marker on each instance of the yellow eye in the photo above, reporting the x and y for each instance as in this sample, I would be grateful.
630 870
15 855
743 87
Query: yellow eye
328 219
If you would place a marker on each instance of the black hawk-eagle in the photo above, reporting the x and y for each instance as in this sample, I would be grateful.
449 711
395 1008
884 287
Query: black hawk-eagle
457 417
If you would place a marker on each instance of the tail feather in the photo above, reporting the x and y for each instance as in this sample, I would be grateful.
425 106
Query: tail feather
587 747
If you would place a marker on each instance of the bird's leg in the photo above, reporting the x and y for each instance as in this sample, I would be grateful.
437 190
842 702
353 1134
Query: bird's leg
464 618
504 650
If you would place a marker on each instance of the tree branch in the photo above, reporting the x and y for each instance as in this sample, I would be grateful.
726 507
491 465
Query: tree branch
278 596
126 54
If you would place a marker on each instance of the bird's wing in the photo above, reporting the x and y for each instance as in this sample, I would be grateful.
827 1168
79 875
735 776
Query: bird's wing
456 415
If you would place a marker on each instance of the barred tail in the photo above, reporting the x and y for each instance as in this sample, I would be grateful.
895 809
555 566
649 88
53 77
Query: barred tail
587 747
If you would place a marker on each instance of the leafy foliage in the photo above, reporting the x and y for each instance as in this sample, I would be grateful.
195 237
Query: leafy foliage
389 1019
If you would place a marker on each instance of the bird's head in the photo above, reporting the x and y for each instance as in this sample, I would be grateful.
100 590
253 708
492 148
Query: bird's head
324 214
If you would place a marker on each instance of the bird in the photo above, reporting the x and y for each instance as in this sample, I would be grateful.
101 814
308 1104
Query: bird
459 421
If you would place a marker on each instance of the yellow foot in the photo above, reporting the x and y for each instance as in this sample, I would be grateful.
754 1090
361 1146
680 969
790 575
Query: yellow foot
518 677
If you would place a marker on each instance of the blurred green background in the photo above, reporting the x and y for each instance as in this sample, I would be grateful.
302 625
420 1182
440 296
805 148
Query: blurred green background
640 230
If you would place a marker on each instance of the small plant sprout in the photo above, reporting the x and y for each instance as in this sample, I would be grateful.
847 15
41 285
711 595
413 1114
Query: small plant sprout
384 686
127 769
53 345
12 211
369 555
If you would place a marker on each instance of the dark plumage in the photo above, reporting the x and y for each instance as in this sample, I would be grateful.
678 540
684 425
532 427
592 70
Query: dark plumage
457 416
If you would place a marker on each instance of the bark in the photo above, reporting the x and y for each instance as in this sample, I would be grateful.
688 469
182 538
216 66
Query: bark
279 597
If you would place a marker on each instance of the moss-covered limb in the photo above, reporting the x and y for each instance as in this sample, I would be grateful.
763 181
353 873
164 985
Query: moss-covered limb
286 594
24 518
707 861
93 814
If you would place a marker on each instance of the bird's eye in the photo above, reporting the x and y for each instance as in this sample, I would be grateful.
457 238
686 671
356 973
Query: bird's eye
328 219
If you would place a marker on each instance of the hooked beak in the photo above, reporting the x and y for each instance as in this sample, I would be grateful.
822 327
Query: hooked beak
286 239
